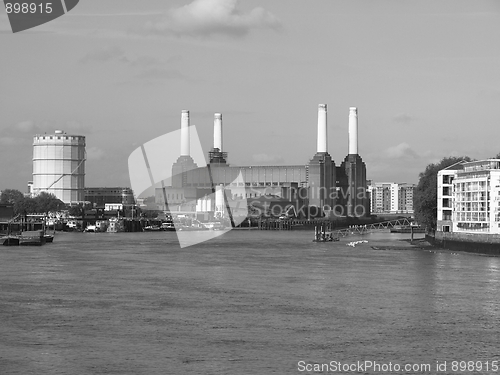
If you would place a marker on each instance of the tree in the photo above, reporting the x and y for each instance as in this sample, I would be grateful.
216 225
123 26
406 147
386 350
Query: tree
29 206
14 197
46 202
78 210
425 196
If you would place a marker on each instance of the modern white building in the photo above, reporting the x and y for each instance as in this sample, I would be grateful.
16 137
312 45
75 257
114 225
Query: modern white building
59 166
391 197
468 197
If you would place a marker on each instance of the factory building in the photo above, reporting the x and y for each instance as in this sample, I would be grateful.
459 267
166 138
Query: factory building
59 166
320 186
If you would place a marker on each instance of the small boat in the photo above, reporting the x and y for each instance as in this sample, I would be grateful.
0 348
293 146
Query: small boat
152 228
90 228
115 225
9 240
354 243
49 238
168 226
32 238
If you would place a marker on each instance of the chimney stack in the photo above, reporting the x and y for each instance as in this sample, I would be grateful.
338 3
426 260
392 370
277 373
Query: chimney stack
185 133
353 131
218 131
322 133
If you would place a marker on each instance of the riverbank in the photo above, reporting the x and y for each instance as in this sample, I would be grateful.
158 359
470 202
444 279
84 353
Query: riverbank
471 243
407 244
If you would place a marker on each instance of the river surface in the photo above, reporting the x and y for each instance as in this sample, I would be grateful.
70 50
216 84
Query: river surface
248 302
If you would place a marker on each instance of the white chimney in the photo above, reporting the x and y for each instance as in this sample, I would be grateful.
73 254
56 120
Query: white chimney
218 131
353 131
185 133
219 199
322 134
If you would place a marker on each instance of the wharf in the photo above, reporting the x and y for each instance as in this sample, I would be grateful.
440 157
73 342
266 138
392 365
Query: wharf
26 238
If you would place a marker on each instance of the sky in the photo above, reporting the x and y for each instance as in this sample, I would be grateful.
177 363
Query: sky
424 75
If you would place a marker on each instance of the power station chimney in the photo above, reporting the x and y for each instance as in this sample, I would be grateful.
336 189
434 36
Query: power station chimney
353 131
219 199
185 133
322 134
218 131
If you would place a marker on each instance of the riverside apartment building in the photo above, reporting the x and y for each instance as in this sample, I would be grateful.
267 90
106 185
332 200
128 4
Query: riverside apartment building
468 197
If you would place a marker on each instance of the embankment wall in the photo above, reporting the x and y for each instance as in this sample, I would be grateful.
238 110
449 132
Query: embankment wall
471 242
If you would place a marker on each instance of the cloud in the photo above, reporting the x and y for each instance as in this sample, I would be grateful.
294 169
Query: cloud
403 119
26 127
160 73
113 53
19 133
402 150
76 127
268 159
208 17
148 67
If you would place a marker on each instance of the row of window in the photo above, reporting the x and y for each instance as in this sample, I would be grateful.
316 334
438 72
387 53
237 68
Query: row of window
471 186
472 216
472 206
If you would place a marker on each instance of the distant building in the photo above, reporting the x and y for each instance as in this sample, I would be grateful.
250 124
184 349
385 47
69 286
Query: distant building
468 197
59 166
100 196
29 192
391 197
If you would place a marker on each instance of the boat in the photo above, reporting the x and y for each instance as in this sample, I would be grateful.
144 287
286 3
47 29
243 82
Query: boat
215 225
32 238
115 225
9 240
168 226
152 228
91 229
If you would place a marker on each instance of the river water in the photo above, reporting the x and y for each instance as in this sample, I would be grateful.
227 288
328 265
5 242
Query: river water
248 302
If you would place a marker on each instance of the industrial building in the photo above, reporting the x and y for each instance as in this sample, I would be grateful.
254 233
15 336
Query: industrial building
100 196
59 166
318 188
468 198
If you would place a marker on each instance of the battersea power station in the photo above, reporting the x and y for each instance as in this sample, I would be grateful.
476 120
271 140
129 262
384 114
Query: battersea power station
319 188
